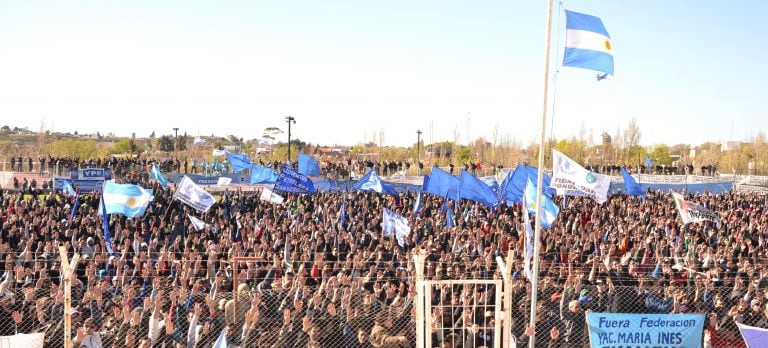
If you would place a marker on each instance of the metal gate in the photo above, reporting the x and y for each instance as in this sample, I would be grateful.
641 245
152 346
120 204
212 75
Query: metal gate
457 311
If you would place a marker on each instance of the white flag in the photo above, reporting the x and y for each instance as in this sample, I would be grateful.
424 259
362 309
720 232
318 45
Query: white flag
224 181
192 195
571 179
217 153
692 212
528 240
197 223
395 224
270 196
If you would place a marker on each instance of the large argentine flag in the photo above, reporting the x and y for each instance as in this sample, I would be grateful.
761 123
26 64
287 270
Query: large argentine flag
126 199
587 43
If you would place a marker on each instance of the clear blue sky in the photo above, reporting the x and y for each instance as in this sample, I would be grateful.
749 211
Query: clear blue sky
687 71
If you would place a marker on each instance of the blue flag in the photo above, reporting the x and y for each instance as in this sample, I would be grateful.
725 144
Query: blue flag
308 165
238 162
753 336
105 223
587 43
157 175
262 175
442 183
371 182
632 187
66 188
74 210
648 162
474 189
549 209
514 184
291 181
446 211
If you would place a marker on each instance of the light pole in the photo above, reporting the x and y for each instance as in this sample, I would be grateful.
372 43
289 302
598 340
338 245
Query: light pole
418 150
290 120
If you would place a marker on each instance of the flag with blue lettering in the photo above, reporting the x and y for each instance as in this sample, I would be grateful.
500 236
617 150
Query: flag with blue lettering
528 242
514 184
632 187
392 223
239 162
193 195
548 208
442 183
587 43
105 225
262 175
753 336
648 162
126 199
198 141
371 182
157 175
74 210
308 165
66 188
290 180
474 189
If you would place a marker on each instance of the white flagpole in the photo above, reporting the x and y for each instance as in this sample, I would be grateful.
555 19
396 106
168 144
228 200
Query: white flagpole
540 179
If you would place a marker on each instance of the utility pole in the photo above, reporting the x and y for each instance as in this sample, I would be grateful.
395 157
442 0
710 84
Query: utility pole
289 119
418 150
176 139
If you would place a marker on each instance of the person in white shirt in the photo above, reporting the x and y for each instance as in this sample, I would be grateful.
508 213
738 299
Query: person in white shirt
87 335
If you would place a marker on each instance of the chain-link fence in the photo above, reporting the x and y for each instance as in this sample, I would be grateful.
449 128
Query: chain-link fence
330 305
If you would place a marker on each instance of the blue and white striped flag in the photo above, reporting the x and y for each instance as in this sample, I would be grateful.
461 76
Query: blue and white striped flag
417 205
548 208
587 43
157 175
126 199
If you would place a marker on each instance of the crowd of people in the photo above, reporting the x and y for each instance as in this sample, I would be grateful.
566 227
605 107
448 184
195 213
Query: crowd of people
313 279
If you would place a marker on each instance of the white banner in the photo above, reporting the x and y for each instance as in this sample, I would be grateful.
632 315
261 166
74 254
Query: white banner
395 224
217 153
35 340
192 195
692 212
268 195
224 181
747 189
571 179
